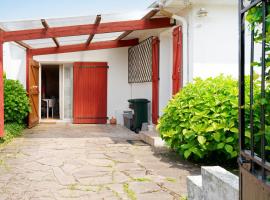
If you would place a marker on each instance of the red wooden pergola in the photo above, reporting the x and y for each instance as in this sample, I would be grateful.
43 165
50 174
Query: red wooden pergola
98 27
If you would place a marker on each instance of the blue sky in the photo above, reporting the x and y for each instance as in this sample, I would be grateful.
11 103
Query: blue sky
36 9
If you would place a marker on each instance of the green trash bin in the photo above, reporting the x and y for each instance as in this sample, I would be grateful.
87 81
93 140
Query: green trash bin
140 107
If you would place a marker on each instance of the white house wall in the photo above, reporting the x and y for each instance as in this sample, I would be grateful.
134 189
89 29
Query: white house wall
119 91
15 62
214 48
165 69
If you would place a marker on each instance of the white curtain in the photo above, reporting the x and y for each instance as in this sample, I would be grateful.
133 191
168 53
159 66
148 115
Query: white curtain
68 91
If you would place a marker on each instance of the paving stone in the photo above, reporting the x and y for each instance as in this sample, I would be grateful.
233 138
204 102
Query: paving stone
101 180
101 162
90 171
63 178
51 161
128 167
144 187
155 195
120 177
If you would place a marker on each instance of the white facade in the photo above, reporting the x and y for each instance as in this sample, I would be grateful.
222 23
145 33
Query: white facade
214 41
15 62
212 49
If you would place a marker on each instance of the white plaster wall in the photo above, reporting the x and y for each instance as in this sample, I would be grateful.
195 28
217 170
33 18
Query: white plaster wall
15 62
119 91
165 69
214 48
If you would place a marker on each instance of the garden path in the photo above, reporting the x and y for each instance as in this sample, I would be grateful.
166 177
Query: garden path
65 161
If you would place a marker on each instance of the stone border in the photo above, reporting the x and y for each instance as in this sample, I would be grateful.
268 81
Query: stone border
214 183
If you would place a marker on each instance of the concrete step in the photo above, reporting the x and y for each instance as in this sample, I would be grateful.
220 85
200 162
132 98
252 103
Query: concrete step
152 138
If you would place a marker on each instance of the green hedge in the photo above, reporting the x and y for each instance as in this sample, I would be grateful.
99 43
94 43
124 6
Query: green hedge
16 102
12 130
201 121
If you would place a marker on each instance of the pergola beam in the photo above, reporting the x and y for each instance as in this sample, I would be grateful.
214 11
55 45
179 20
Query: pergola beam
82 47
47 27
23 44
147 16
91 36
87 29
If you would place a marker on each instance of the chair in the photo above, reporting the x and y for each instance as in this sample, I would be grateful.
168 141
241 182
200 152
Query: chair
51 104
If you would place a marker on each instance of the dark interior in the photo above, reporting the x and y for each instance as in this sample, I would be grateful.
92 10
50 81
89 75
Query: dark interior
50 91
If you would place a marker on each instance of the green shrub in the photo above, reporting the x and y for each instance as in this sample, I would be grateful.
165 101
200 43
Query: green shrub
16 102
201 120
12 130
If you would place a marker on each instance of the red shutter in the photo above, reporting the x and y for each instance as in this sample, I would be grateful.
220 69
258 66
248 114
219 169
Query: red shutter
155 79
90 93
177 77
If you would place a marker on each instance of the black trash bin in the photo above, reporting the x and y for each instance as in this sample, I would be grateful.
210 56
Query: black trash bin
140 107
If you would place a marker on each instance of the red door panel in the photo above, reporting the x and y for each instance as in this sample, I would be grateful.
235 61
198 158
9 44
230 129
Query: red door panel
177 77
90 93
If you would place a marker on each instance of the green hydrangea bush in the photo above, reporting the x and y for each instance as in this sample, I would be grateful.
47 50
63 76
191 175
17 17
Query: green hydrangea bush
16 102
201 120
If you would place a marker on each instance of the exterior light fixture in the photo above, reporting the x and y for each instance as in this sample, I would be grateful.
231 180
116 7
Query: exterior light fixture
202 12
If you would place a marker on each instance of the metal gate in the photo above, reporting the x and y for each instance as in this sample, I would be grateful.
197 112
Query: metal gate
254 99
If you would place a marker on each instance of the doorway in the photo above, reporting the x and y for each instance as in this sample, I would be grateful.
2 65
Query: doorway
50 108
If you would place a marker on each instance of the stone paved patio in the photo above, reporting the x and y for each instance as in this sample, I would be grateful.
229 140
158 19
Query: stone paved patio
88 162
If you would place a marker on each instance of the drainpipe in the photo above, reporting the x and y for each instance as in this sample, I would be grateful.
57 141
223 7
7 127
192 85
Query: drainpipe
184 24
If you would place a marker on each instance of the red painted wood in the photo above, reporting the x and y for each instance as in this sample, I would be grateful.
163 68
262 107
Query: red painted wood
177 77
90 93
83 47
1 91
29 57
87 29
33 92
155 80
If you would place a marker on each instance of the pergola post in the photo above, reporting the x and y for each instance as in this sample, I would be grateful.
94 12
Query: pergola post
1 87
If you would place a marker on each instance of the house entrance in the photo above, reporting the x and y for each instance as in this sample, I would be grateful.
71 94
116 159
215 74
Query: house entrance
50 92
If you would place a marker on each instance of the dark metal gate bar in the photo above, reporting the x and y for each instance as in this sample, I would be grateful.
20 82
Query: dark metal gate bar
254 134
140 62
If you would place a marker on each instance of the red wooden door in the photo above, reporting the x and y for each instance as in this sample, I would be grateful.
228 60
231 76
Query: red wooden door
90 93
33 91
177 77
155 79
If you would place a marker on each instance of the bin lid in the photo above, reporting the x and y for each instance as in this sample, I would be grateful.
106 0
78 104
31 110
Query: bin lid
138 101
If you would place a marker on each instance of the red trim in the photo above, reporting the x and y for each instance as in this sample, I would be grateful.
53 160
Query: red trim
29 57
177 77
155 80
1 90
87 29
91 64
83 47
